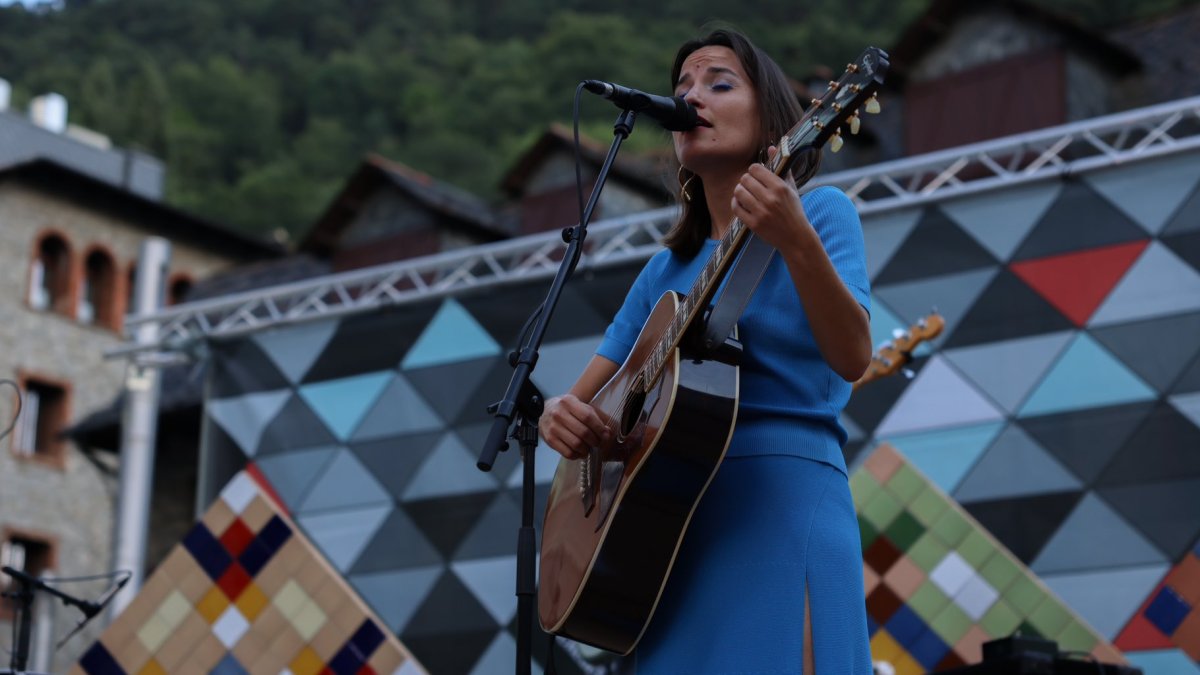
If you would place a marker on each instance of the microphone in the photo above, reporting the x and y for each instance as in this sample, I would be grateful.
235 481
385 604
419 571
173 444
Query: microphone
672 112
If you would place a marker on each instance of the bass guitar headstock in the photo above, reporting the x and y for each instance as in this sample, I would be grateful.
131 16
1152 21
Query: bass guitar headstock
893 356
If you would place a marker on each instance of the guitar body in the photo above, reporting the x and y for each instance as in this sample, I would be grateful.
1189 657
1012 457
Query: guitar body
615 520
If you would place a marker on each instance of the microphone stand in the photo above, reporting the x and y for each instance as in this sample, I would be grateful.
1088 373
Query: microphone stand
26 585
524 402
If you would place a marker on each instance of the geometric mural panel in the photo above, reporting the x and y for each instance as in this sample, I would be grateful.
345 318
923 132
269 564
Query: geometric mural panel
1106 598
1185 218
491 582
397 544
1156 349
883 234
1001 221
1079 219
452 335
344 483
1015 465
560 363
1165 447
1007 371
448 471
342 403
951 295
395 596
1151 194
1166 512
448 387
1025 524
1085 441
938 397
1076 283
296 426
295 349
1085 376
1188 405
1008 308
244 418
1106 415
1095 536
246 592
1158 284
393 461
945 455
368 343
342 535
936 247
1186 246
399 409
292 474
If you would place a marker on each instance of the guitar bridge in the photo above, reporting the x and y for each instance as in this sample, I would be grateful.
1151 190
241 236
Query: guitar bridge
586 493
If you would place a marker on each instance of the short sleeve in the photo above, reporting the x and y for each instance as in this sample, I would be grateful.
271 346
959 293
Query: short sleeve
836 221
623 332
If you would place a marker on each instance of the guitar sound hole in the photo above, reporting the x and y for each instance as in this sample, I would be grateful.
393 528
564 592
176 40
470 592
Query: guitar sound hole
632 412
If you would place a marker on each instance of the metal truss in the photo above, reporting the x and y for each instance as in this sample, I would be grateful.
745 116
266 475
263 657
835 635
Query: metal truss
1073 148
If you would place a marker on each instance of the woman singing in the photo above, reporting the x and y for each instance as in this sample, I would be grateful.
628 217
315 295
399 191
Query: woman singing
769 576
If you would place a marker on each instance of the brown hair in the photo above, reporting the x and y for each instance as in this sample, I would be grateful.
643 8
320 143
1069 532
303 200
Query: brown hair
778 110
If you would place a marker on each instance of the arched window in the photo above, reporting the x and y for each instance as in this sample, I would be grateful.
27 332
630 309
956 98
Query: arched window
50 276
97 297
180 286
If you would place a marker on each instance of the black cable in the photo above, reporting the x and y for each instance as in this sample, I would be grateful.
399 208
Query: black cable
578 152
12 425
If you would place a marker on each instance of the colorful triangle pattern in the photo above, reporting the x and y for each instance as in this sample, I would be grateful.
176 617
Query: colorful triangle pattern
246 592
1072 307
1076 283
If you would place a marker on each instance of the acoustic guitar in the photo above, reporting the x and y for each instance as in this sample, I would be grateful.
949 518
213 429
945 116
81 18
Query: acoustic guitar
615 519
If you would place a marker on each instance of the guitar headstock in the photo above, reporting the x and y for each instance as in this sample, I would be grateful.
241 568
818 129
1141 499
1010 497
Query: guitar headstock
891 357
840 104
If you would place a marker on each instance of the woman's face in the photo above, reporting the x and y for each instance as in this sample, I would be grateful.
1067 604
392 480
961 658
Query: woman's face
728 136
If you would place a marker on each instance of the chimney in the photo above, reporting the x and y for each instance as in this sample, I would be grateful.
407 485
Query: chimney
49 111
5 94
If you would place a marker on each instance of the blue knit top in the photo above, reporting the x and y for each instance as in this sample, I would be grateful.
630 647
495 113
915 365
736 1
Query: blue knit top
790 399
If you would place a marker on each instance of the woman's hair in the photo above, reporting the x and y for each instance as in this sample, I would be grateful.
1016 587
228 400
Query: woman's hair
778 110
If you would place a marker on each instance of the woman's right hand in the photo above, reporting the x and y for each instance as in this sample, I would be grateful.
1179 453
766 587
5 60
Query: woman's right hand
571 427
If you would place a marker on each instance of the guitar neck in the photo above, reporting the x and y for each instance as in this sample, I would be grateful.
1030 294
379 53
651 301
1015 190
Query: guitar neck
700 295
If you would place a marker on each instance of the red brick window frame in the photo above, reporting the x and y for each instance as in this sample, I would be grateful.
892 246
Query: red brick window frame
45 411
52 286
31 552
99 298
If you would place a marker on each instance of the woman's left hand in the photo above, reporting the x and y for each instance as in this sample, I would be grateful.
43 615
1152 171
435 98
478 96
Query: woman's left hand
770 206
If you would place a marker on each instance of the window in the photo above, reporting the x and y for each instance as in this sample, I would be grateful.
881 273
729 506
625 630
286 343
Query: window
50 276
97 297
43 415
30 554
178 291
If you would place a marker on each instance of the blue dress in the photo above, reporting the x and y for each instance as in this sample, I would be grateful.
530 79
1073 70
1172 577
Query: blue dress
777 523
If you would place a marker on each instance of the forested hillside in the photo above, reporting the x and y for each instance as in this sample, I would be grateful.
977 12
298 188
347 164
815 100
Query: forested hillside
262 107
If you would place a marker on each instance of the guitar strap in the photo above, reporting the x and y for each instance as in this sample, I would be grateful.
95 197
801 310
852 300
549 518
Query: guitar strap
747 271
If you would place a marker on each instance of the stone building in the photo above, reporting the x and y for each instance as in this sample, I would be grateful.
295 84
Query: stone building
72 217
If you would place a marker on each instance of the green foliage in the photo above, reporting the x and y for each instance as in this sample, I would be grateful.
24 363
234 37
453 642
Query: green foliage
262 108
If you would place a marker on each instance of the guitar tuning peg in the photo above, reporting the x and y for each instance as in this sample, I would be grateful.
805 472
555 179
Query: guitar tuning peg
836 142
872 105
855 123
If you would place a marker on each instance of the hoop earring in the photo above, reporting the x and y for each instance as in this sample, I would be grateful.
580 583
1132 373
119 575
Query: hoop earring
683 192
